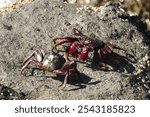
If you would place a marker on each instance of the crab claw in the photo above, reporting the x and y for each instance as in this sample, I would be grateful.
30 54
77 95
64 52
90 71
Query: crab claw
73 51
62 41
84 53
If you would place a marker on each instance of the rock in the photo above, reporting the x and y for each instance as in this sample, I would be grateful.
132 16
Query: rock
34 25
4 3
86 2
7 93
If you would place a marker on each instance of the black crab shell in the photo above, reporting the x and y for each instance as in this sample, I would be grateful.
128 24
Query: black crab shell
53 64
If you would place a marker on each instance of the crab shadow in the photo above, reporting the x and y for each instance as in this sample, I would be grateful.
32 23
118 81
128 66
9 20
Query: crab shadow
115 62
80 83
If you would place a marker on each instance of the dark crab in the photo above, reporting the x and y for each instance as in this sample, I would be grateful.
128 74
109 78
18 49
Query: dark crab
53 63
81 44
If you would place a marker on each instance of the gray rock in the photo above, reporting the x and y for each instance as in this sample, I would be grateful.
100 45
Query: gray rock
34 25
7 93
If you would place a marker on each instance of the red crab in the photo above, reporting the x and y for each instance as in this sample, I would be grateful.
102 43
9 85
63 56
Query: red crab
82 44
54 63
74 41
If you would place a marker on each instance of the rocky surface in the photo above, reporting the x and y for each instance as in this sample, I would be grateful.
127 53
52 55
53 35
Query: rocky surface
34 25
10 94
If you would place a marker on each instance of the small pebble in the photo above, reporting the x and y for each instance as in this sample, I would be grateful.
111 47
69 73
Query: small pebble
143 80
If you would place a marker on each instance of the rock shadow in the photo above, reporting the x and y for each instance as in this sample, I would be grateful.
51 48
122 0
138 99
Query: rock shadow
140 82
141 27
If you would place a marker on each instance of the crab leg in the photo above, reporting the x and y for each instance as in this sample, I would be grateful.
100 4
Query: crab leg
82 38
66 54
38 53
66 77
115 46
64 40
72 49
70 39
37 63
65 81
84 53
62 72
101 59
68 68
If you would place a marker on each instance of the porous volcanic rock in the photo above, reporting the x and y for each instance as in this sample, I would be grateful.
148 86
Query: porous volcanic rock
34 25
